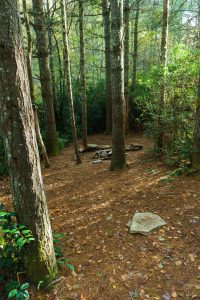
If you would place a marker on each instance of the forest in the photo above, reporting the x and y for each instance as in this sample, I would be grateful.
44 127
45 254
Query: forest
99 149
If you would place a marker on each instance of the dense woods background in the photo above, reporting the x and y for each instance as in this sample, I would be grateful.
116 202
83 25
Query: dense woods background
88 34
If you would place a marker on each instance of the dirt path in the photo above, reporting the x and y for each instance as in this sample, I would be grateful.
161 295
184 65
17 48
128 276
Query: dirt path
91 205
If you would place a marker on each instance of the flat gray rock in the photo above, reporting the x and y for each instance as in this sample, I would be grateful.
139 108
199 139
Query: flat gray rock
145 223
96 161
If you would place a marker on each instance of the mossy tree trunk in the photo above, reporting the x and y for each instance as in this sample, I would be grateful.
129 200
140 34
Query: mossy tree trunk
17 125
68 79
118 132
82 74
45 76
163 58
107 39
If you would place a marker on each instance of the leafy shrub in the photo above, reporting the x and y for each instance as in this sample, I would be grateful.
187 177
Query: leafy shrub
61 260
62 143
178 115
13 238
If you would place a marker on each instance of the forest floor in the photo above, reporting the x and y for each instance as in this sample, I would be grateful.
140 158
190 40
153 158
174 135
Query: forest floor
91 205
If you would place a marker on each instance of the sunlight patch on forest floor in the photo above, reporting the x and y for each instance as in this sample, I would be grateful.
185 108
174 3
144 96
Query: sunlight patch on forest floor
91 206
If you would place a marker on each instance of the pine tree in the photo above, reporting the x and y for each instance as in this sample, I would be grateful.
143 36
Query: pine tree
45 76
68 79
163 58
196 138
107 41
17 126
82 74
118 132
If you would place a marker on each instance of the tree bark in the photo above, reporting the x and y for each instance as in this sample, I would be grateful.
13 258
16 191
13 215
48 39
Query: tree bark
126 63
39 138
30 76
82 74
45 77
135 52
107 39
17 125
29 49
68 79
51 62
196 137
160 138
118 132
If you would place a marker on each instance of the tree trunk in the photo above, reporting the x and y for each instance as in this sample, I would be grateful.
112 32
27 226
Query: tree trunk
160 138
39 138
51 62
68 79
61 76
30 76
118 133
17 125
196 138
82 73
45 77
29 49
107 38
126 63
135 52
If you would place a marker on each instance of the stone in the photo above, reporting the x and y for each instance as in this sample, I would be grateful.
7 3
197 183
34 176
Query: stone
96 161
145 223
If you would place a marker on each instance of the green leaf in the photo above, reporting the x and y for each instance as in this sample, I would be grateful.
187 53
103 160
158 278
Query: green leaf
3 214
71 267
26 295
24 232
21 227
12 293
60 262
20 242
31 239
24 286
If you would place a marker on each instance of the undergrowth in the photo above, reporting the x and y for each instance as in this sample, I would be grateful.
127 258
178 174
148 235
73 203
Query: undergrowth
13 238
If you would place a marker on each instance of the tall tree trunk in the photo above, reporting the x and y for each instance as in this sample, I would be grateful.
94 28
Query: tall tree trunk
160 138
135 51
29 49
68 79
126 63
61 77
17 125
51 62
82 73
45 77
118 133
30 76
196 138
107 38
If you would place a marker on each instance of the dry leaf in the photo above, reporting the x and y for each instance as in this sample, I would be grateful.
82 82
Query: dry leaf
191 257
174 295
